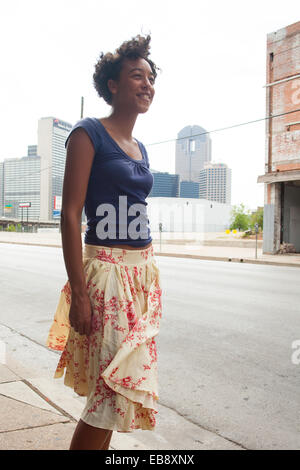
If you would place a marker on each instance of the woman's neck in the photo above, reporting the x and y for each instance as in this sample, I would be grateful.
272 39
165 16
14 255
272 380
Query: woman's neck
121 123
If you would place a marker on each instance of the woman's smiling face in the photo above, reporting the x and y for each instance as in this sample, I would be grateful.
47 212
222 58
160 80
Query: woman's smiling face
135 87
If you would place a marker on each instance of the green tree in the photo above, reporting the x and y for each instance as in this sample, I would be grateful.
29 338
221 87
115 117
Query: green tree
11 228
257 218
240 218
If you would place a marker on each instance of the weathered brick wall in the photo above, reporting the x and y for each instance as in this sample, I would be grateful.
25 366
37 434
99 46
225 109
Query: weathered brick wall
283 61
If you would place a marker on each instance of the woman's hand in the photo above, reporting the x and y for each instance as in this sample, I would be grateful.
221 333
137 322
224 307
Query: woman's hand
80 315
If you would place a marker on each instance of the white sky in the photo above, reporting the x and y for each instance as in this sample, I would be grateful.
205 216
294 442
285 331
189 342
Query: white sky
212 55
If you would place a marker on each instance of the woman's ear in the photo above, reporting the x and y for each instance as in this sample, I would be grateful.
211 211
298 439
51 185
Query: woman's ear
112 86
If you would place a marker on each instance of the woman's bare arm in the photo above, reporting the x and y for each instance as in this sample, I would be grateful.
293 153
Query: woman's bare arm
80 155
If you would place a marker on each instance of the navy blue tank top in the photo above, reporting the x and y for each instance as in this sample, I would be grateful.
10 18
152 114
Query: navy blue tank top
115 204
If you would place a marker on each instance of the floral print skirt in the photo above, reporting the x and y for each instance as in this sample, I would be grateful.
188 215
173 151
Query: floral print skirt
115 367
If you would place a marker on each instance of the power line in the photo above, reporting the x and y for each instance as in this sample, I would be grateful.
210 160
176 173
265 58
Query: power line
223 128
32 173
194 135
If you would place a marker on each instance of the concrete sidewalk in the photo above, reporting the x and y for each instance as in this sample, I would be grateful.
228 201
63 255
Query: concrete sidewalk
30 420
40 413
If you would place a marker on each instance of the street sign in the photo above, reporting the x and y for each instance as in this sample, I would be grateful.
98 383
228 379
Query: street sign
56 213
25 204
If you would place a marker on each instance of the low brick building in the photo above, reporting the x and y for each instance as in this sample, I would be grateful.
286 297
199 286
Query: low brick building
282 157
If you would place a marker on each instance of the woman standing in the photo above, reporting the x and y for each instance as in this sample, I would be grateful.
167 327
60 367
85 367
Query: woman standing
109 310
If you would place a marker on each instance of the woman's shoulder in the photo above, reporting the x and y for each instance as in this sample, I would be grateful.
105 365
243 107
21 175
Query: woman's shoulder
92 128
89 123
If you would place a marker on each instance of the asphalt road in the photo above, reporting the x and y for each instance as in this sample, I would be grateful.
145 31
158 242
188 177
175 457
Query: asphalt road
225 345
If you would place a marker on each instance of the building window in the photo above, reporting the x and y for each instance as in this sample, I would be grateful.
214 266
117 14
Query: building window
192 145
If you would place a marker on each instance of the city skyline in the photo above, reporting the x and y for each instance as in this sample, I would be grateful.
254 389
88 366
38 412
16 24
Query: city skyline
32 150
41 185
213 74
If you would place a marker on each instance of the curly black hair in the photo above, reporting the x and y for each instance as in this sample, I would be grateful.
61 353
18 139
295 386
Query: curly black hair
109 65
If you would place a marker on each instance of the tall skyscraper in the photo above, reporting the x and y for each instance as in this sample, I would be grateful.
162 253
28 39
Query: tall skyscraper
52 134
215 183
193 149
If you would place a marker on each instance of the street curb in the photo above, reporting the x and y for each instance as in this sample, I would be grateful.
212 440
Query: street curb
233 260
187 255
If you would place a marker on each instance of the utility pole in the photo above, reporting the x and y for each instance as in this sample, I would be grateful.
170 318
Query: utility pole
256 232
82 102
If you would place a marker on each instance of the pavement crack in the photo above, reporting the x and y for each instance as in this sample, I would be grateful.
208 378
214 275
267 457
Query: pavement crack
32 427
47 400
38 407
